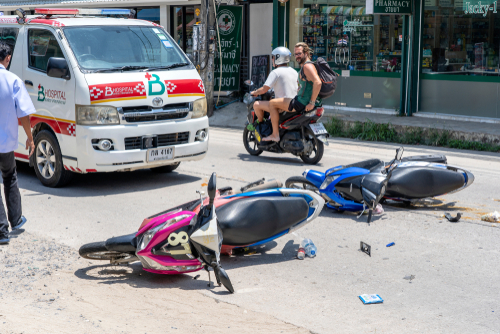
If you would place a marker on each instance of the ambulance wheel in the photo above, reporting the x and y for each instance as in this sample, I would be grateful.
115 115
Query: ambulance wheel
250 142
165 169
48 161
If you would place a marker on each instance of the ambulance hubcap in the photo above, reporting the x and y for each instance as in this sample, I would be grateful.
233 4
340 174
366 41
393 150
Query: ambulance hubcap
45 159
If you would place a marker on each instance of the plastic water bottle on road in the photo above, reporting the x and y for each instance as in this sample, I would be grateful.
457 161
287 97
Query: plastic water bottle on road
309 247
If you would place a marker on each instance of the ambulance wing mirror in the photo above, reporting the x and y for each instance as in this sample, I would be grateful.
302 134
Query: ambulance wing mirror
58 68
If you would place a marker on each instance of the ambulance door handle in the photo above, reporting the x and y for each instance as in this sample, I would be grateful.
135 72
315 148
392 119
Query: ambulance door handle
28 82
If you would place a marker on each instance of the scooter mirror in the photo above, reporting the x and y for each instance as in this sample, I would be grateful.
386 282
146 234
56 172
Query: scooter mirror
248 82
224 279
399 153
211 188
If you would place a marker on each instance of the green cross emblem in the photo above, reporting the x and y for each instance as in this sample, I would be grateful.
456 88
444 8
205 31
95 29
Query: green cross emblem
226 19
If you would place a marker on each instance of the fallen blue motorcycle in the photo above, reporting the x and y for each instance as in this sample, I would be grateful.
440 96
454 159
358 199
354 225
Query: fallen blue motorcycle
413 178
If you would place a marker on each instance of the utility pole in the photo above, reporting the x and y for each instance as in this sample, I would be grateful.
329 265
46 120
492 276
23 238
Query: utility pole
206 50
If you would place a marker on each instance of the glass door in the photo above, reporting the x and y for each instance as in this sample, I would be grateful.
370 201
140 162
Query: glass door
182 20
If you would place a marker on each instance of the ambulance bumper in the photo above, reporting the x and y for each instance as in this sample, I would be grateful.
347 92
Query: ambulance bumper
128 152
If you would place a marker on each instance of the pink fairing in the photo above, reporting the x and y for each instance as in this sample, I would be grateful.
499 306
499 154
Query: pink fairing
162 235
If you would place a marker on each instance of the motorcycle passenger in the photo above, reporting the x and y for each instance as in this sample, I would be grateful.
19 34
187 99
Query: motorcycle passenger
283 80
307 96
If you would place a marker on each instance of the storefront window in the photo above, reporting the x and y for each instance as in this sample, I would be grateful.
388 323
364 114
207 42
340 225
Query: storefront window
149 14
341 32
461 37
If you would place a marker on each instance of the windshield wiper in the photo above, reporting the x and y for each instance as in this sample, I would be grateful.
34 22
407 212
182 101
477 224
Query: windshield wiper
122 68
166 67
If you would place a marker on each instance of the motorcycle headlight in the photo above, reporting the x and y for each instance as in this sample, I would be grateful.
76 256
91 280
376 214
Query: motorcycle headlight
329 179
148 235
199 108
90 115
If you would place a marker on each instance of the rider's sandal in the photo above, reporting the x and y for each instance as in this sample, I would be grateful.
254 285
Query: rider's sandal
269 138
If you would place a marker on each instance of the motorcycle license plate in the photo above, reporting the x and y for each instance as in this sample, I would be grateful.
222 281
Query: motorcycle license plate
318 128
157 154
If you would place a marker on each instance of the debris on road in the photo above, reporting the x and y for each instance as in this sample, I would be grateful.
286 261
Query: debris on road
309 247
371 299
365 248
378 210
301 254
390 244
493 217
453 219
409 278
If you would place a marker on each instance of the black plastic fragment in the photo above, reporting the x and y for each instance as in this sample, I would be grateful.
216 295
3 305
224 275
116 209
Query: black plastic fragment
453 219
365 248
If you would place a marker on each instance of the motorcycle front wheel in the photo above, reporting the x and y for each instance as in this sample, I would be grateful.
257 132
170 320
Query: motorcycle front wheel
98 251
299 182
250 142
318 148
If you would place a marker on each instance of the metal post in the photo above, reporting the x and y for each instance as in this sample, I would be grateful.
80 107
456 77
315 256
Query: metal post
206 52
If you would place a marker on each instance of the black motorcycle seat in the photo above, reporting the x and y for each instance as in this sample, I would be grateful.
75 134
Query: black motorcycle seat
436 158
124 243
247 221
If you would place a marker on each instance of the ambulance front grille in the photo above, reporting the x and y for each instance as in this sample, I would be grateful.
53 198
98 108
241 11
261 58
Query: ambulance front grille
169 139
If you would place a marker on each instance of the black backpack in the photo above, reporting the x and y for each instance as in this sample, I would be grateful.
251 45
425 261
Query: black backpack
328 78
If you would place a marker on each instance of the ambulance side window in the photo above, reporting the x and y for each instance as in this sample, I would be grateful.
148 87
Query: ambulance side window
42 45
9 36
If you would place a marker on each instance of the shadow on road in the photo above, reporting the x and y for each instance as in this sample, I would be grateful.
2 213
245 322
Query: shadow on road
98 184
136 277
275 160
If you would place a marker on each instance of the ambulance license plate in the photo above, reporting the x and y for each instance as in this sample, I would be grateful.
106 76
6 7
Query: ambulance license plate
318 128
157 154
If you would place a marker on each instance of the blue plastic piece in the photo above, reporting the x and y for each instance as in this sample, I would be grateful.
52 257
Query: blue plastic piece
391 244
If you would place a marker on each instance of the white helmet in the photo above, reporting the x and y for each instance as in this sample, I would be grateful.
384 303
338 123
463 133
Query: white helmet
281 56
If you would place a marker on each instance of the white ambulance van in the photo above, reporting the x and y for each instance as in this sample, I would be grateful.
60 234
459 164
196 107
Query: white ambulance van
111 94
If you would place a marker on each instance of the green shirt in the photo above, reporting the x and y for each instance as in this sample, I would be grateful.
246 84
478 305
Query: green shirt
306 89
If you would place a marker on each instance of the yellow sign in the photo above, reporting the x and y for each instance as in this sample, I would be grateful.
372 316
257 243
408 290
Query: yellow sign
197 11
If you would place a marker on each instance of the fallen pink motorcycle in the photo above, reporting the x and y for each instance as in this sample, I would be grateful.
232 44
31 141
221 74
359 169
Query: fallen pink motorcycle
190 237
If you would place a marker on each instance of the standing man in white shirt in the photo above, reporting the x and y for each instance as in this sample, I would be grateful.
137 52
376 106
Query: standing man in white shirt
15 104
283 80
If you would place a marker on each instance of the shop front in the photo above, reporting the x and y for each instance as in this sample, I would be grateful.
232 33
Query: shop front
452 52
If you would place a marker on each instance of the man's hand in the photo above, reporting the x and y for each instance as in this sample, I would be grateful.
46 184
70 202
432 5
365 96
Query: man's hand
25 122
254 93
31 145
309 107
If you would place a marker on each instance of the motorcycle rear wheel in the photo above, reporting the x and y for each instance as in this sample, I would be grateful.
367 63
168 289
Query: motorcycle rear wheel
318 149
98 251
249 139
299 182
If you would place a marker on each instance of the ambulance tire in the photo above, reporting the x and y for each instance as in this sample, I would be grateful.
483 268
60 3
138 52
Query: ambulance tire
165 169
60 176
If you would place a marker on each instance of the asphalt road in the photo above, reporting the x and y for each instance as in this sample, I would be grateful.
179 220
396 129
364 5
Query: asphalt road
456 285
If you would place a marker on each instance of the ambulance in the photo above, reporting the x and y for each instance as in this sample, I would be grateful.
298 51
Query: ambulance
111 93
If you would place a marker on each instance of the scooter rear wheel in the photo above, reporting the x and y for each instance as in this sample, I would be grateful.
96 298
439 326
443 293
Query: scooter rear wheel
317 152
299 182
250 140
98 251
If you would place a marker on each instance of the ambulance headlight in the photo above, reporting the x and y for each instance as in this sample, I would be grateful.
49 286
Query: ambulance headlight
199 108
90 115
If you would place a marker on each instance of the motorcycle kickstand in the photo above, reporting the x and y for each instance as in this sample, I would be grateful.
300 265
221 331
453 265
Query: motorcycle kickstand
209 279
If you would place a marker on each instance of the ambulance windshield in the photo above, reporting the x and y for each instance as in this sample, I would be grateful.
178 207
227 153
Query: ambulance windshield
101 48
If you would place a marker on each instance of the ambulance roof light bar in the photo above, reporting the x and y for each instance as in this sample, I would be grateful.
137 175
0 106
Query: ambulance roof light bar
83 11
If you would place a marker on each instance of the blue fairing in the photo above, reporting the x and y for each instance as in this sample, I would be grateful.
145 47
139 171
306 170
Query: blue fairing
315 177
270 239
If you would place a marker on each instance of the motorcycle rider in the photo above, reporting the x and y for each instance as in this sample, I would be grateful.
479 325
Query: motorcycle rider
283 80
307 96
